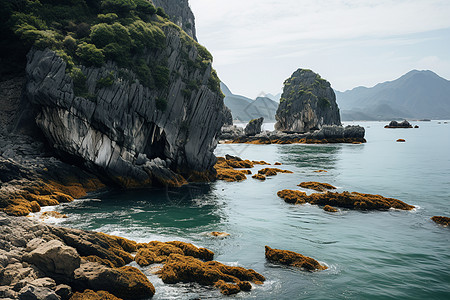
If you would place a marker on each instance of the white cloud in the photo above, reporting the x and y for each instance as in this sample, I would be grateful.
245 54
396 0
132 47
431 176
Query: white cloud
239 32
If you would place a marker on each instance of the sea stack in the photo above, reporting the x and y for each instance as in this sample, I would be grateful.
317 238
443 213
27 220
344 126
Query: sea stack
308 102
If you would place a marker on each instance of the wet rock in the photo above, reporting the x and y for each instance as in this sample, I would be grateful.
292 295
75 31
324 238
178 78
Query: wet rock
348 200
317 186
181 268
291 258
308 102
52 214
259 177
91 295
254 127
124 282
158 252
231 132
330 208
218 234
272 171
444 221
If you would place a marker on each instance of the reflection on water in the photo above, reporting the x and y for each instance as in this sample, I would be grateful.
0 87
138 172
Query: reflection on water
310 156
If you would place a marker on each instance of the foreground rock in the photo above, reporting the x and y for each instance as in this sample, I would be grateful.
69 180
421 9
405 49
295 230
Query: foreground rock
290 258
308 102
184 262
444 221
91 295
348 200
317 186
254 127
39 261
395 124
327 134
230 280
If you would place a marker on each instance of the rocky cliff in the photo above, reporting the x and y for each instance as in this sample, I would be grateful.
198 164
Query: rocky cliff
130 96
180 13
308 102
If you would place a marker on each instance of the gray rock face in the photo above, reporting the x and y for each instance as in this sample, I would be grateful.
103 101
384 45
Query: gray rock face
121 131
228 117
339 132
180 13
231 132
254 127
308 102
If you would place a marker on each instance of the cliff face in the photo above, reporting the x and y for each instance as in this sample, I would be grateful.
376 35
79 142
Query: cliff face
124 130
308 102
180 13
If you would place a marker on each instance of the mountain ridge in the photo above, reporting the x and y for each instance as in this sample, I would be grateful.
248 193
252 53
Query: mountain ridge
416 94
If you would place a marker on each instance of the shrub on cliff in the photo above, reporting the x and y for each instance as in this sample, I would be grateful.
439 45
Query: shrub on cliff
90 54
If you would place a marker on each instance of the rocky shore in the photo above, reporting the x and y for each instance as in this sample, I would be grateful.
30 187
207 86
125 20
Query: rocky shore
39 261
327 134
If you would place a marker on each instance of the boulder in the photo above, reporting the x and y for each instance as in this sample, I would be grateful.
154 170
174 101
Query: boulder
31 292
124 282
54 258
308 102
254 127
291 258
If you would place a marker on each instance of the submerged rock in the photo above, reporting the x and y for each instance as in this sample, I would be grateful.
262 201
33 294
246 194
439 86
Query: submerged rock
308 102
444 221
218 234
291 258
345 199
317 186
254 127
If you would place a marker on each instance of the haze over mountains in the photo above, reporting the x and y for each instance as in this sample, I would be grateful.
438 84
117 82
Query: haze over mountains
415 95
245 109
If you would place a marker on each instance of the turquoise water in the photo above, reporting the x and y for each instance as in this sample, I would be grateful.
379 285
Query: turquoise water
370 255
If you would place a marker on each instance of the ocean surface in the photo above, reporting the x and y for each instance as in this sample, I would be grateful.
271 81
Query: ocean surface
371 255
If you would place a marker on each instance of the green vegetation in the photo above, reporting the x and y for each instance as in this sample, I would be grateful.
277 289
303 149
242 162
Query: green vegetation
106 81
91 32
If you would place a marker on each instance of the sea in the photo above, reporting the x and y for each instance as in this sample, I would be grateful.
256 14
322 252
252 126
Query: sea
370 254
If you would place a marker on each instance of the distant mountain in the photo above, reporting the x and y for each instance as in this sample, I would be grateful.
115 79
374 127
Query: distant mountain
417 95
245 109
275 98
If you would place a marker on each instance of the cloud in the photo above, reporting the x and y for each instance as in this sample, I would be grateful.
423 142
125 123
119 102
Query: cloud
255 32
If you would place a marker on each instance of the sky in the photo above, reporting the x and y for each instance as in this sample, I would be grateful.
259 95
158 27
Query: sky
257 44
